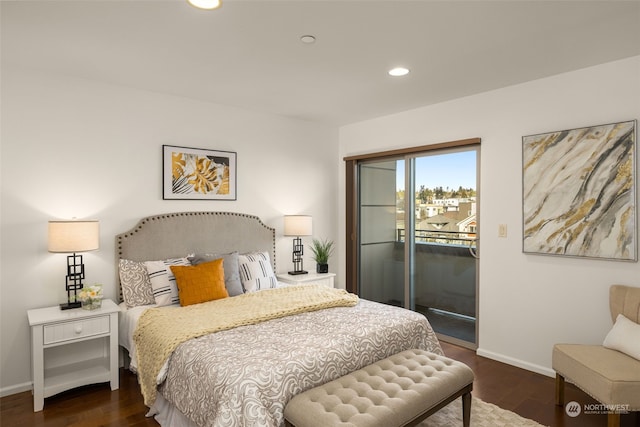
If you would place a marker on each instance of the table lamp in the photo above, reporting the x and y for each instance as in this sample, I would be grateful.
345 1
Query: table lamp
73 236
297 225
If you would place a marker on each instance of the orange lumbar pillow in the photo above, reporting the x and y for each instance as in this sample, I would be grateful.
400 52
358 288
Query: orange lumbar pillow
200 283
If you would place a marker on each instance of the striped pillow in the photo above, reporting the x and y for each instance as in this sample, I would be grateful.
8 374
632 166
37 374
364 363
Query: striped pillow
256 272
163 282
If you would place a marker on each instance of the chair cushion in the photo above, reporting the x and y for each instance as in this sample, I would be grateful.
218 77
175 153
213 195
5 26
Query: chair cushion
609 376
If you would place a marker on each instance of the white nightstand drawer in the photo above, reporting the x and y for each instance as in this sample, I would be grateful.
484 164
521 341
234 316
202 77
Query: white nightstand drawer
66 331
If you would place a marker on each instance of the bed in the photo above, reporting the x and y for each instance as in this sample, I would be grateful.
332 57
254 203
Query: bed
245 375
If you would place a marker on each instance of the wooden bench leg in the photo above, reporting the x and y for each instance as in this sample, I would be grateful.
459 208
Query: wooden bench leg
613 420
559 389
466 409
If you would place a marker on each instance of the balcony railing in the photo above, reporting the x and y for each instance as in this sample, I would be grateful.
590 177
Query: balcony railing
442 237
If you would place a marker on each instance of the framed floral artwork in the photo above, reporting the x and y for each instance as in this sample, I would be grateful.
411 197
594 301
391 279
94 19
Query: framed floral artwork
579 192
198 174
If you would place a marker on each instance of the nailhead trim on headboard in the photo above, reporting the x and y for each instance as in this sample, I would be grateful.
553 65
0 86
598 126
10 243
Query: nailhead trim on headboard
121 239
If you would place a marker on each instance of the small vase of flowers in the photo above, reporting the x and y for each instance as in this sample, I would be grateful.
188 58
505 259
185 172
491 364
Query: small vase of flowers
91 297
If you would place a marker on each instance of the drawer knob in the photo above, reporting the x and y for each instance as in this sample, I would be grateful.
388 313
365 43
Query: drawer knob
78 329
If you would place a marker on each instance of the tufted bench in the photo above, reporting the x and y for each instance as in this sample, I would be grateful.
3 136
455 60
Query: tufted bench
401 390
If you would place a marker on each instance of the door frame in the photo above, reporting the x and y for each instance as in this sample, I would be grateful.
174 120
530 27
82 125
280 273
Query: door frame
351 205
351 194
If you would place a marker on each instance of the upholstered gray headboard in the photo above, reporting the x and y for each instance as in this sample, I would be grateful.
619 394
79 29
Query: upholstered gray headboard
175 235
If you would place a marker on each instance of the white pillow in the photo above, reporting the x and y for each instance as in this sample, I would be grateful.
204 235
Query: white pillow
256 272
624 337
163 282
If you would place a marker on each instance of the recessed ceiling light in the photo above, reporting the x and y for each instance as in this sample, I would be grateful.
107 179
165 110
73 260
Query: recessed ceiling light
398 72
206 4
307 39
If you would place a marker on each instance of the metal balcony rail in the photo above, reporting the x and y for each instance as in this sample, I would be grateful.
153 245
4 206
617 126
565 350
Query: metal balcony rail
442 237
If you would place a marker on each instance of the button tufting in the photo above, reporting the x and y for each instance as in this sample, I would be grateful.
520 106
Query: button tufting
409 383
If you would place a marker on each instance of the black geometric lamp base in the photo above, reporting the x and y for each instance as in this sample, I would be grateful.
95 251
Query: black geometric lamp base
69 305
294 273
75 275
298 251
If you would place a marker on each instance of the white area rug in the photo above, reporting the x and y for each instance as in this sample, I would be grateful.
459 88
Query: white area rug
482 415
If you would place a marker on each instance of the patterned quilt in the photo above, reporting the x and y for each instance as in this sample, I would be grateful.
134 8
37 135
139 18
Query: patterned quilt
161 330
245 376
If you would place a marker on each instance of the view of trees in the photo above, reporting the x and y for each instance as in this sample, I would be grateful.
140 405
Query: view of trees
428 195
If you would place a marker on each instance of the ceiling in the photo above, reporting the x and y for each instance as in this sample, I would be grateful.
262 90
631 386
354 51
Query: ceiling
248 54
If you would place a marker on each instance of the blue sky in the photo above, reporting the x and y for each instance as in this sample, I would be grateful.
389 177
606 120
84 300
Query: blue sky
447 170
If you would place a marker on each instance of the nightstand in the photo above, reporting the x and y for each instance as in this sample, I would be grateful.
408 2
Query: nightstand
308 279
71 348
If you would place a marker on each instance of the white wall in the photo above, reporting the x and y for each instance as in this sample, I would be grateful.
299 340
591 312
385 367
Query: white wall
75 148
79 148
527 302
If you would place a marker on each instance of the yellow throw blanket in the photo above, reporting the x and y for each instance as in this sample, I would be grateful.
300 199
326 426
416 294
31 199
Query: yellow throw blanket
161 330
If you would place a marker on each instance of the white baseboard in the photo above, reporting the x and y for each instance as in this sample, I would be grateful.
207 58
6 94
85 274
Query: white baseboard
15 389
516 362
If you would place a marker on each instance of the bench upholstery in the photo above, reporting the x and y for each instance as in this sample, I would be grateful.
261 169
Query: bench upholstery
401 390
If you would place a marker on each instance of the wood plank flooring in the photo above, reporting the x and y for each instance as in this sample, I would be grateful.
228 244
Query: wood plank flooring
529 394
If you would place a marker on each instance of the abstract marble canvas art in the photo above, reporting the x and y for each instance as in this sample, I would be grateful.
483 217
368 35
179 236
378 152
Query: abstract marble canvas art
579 192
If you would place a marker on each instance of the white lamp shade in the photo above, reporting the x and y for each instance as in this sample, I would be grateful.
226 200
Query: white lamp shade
74 236
297 225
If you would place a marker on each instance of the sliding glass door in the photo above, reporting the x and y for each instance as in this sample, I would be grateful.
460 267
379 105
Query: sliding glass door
381 258
445 242
418 233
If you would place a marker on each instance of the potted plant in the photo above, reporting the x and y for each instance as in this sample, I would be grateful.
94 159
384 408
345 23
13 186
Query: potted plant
322 250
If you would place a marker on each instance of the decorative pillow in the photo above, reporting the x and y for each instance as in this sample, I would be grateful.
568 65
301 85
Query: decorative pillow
231 271
135 283
624 337
256 272
200 283
163 282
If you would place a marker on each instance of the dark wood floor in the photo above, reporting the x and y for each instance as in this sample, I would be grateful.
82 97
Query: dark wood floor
528 394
